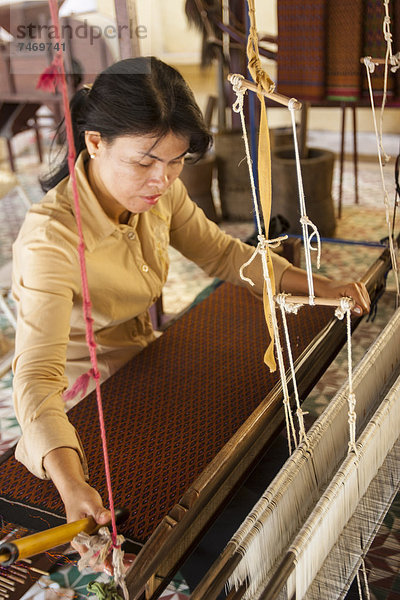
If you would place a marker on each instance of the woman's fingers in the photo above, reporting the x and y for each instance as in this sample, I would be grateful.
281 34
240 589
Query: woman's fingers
353 289
358 292
83 501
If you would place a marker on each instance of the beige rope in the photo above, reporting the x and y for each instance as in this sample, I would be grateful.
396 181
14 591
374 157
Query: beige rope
293 308
345 310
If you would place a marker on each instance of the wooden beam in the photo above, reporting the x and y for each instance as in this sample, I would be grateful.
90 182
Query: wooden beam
125 12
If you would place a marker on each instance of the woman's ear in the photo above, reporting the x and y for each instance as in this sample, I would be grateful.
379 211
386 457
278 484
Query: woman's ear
93 142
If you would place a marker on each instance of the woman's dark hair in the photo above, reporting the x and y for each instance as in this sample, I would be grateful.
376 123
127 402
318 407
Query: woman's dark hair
136 96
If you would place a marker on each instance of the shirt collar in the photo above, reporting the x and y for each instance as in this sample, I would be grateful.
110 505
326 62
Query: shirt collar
96 224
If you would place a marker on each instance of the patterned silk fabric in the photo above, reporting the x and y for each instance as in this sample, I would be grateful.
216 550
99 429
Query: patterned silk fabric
301 49
320 44
169 410
344 49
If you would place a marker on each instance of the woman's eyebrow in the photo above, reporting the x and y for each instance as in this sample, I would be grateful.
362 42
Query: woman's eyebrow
154 157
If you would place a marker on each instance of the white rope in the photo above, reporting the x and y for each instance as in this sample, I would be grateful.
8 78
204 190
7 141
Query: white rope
393 59
388 39
262 249
370 67
287 307
290 428
274 243
344 309
237 107
304 220
366 586
360 594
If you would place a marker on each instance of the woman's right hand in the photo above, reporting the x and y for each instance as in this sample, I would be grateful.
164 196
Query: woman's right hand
82 501
64 467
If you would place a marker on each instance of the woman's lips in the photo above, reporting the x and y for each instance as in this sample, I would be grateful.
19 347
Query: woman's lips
151 199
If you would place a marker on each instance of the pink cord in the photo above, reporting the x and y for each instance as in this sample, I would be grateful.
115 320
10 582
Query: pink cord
56 74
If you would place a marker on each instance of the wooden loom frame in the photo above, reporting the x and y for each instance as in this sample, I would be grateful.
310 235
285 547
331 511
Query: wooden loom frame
185 524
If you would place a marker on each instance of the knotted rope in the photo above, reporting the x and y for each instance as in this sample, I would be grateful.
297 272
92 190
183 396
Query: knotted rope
306 223
264 245
383 158
344 309
262 81
286 307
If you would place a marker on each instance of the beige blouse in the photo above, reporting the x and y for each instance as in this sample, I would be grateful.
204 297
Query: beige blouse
127 266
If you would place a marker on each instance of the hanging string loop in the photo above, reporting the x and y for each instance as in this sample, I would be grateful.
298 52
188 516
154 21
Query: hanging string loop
261 248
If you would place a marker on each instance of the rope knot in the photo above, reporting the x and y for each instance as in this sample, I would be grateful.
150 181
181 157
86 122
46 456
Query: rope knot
368 62
283 300
260 77
302 431
386 29
344 306
262 247
306 222
352 402
236 81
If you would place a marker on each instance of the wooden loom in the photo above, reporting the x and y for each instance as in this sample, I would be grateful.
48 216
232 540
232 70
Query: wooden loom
179 530
188 516
309 521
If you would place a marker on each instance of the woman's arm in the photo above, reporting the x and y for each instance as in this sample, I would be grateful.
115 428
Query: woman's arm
294 280
221 256
64 467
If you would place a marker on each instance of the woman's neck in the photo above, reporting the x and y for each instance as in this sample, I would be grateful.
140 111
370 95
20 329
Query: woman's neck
113 210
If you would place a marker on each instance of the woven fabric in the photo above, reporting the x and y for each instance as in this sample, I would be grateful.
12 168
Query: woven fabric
375 45
301 48
171 409
344 49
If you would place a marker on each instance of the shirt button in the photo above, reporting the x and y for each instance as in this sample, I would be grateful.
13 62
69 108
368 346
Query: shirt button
145 268
131 235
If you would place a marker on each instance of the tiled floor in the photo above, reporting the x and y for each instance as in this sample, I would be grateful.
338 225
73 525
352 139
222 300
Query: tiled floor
365 222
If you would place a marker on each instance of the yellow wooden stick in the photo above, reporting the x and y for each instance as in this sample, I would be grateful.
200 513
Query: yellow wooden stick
45 540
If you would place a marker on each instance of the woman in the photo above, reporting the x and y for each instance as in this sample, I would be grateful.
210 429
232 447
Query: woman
133 130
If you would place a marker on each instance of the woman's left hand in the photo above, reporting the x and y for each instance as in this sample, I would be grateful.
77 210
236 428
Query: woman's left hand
294 281
354 289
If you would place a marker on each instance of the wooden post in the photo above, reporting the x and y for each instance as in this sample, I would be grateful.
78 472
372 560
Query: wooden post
125 12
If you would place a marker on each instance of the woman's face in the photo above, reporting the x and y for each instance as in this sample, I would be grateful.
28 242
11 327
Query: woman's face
131 173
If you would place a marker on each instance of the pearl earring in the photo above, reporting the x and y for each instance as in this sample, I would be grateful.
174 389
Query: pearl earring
92 156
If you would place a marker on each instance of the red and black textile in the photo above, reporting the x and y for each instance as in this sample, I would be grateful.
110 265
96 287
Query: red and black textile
375 45
301 48
344 49
168 411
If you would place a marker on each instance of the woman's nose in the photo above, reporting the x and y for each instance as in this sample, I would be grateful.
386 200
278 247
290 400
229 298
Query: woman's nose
159 174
